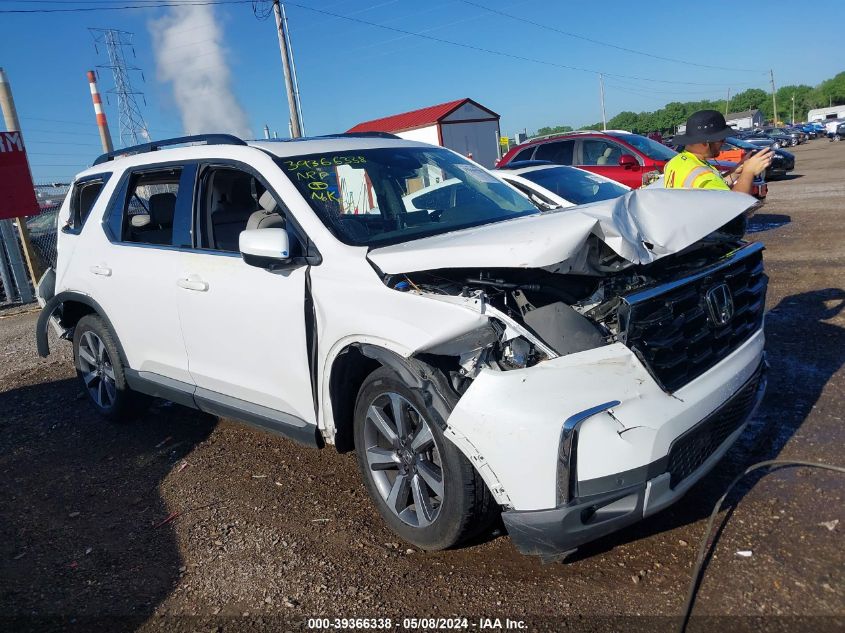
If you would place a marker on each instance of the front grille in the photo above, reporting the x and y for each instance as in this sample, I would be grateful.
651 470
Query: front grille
693 448
673 331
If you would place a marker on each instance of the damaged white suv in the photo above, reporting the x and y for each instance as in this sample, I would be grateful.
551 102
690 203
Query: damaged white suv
576 370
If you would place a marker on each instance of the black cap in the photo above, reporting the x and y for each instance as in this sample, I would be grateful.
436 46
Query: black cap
704 126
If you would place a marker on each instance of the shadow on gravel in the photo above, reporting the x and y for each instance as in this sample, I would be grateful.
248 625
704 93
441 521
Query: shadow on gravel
786 177
804 352
766 222
82 532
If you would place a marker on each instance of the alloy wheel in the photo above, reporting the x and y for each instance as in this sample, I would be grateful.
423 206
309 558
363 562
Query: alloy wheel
403 459
97 370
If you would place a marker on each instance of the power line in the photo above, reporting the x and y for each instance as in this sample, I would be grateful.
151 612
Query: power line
28 142
608 44
490 50
150 5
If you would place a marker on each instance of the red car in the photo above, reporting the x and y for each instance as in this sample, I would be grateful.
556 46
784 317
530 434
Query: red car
628 158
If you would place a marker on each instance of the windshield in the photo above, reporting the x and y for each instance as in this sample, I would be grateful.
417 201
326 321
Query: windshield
652 149
384 196
575 185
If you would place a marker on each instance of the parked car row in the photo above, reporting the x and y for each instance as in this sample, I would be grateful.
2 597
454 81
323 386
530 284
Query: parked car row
627 158
573 369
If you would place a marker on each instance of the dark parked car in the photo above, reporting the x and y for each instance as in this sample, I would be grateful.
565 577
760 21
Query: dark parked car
782 161
766 140
776 132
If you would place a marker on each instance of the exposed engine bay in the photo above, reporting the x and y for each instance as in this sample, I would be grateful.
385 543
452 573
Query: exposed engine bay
563 312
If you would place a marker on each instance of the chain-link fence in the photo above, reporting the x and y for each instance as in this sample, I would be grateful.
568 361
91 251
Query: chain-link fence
42 228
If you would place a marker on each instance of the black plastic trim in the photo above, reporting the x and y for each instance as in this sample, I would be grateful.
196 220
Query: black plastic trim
557 532
311 338
266 419
102 178
53 304
161 387
208 139
189 395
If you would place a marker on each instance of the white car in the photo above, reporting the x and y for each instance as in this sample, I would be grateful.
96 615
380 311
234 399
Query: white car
575 370
558 186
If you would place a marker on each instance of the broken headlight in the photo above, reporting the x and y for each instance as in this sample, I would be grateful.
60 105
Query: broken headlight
519 353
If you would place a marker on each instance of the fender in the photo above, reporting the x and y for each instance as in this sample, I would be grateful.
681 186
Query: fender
56 303
420 376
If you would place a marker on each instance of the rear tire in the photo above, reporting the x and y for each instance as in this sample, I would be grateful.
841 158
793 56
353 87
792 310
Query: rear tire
101 371
424 488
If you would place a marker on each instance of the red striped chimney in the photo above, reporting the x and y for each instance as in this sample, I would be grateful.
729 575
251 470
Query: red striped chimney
102 124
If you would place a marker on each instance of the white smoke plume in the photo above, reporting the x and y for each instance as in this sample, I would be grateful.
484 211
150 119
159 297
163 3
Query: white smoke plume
189 51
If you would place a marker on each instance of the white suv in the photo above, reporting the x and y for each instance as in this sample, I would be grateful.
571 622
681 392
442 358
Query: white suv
576 370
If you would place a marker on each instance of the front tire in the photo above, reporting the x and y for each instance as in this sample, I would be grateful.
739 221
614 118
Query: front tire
100 370
424 488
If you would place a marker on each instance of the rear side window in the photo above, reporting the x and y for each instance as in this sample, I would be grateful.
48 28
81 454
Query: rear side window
150 206
600 152
85 194
524 154
559 152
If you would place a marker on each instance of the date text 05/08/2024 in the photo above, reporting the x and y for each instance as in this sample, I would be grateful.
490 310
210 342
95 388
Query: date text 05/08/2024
416 624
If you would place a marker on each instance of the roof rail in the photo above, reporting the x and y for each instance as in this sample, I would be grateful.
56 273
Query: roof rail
369 134
208 139
545 136
335 135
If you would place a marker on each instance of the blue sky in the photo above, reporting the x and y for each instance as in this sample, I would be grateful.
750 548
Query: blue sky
351 71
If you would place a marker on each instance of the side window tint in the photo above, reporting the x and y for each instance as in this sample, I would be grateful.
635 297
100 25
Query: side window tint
559 152
232 201
84 196
149 207
600 152
524 154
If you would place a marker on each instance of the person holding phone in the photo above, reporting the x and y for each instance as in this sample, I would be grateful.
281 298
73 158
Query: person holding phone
703 139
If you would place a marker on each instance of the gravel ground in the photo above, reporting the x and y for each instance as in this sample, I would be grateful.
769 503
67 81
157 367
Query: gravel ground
180 521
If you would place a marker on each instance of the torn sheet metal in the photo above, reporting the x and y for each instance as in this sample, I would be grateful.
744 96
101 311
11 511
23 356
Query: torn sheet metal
642 226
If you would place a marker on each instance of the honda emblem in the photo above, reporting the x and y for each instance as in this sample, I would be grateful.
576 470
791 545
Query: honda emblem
721 304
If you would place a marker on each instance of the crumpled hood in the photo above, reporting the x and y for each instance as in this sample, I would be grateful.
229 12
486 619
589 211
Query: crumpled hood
642 226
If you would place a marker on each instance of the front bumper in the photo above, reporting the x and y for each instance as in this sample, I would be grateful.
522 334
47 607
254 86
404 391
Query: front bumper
555 532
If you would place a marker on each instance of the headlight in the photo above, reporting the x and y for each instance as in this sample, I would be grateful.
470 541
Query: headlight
519 353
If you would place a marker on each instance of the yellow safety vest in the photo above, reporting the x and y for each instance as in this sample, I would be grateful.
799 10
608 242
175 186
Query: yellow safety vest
687 171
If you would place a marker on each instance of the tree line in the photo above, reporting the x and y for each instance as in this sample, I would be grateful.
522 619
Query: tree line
829 92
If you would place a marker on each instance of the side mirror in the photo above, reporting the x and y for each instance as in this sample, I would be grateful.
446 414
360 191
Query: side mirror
265 248
628 161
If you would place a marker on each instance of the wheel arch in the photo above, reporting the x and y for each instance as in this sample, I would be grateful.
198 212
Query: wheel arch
357 360
71 307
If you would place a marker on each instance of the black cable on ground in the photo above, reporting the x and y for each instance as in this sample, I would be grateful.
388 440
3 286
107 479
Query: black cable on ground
702 552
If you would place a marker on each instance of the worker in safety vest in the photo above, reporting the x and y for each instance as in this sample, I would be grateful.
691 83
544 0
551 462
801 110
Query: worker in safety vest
703 139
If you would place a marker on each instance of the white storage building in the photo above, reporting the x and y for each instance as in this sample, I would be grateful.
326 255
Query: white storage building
747 120
464 126
821 114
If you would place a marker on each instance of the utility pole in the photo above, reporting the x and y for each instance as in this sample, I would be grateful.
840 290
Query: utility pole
774 100
601 89
293 73
295 127
10 116
727 102
793 109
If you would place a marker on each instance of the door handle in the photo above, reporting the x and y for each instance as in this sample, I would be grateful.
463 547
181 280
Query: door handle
101 270
193 283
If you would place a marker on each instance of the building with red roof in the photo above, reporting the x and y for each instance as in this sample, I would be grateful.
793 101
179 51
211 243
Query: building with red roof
464 126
